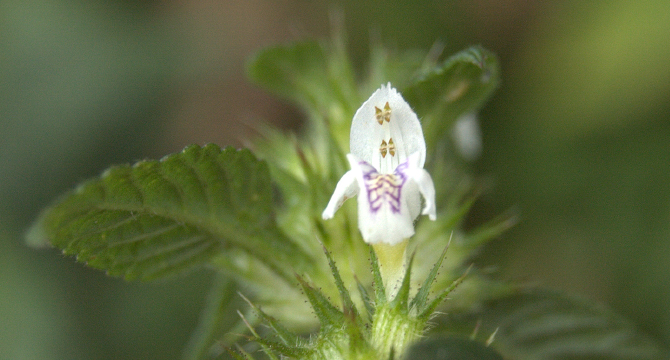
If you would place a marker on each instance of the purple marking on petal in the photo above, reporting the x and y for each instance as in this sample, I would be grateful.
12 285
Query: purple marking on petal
384 188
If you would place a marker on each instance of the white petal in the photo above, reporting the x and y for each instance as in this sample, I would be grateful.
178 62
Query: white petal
424 182
382 218
427 189
403 128
346 188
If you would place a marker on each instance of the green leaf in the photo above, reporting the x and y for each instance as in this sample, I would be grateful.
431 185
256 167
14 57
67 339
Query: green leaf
460 85
160 217
214 321
450 348
318 77
542 324
293 71
307 72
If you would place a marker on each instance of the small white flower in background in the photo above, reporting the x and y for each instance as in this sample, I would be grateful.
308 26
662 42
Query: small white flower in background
387 156
468 136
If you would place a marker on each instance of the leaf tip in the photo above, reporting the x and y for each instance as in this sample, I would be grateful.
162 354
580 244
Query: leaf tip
36 236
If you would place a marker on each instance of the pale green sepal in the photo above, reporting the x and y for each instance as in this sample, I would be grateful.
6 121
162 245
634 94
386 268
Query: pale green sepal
369 304
427 312
347 304
284 334
378 282
401 298
329 316
421 296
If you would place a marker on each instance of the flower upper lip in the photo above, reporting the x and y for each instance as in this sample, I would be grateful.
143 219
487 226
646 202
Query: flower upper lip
403 127
387 156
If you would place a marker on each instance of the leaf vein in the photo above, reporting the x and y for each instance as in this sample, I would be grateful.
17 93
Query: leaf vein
146 235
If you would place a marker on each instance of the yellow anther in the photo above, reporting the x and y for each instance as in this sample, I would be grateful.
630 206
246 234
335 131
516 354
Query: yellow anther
391 147
382 115
383 148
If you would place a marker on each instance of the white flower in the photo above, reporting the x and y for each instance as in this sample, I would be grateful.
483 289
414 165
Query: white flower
387 156
468 136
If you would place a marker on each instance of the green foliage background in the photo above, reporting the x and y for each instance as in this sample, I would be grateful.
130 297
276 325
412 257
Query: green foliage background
576 138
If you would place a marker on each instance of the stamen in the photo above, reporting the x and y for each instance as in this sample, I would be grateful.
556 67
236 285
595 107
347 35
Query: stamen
383 148
382 115
391 147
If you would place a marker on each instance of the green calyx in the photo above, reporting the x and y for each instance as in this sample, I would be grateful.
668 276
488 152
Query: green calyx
384 330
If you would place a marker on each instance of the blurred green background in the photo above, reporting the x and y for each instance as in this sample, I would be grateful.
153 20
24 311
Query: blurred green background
577 140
